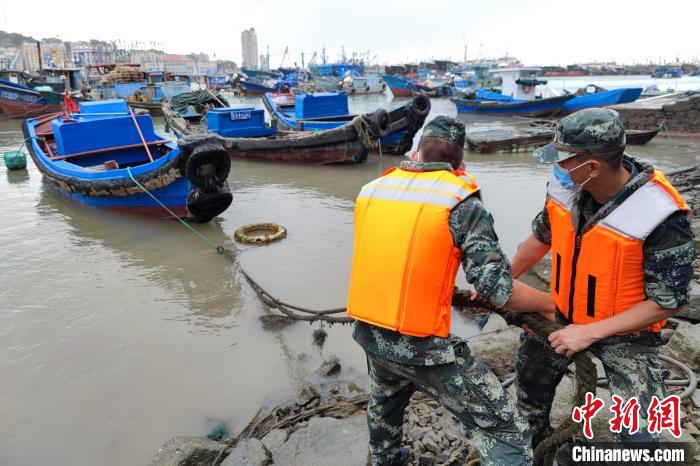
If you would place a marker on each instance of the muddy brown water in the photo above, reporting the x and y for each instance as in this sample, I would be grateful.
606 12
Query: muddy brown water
118 332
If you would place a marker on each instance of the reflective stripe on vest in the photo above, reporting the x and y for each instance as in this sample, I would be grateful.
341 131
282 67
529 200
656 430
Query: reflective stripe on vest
404 261
606 270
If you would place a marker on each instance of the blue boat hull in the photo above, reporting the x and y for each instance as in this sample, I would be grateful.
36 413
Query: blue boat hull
255 89
602 99
515 107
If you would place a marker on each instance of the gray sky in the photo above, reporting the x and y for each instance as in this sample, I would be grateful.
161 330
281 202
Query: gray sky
536 31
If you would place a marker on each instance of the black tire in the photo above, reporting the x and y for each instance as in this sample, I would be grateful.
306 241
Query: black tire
205 206
419 106
208 154
379 122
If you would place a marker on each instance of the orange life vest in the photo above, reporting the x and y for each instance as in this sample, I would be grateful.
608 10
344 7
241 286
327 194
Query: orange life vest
405 261
600 273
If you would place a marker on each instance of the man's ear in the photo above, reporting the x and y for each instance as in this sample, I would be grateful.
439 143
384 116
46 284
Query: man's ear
415 156
462 165
596 167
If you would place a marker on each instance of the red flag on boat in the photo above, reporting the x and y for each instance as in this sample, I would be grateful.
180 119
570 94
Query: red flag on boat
69 104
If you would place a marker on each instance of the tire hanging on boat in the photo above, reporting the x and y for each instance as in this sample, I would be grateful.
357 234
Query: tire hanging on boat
207 167
419 106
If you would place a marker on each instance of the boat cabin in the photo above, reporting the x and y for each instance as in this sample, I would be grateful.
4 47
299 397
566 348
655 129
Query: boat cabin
520 83
233 122
100 132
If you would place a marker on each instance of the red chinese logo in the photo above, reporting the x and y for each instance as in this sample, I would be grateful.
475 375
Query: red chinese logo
662 414
665 414
624 415
586 413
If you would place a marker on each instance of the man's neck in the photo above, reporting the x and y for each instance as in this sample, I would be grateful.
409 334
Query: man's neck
604 191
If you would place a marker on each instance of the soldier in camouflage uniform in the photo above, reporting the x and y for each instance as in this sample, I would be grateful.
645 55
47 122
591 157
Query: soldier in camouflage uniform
445 368
584 142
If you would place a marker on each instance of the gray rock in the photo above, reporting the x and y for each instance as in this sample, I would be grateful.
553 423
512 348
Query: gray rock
498 349
325 441
249 452
684 345
692 310
186 451
354 387
275 438
306 395
330 366
666 334
494 324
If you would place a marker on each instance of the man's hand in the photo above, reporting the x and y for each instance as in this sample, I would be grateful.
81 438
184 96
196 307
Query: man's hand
572 339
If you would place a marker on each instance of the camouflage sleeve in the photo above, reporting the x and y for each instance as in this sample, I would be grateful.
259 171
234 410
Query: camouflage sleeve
485 265
668 255
540 227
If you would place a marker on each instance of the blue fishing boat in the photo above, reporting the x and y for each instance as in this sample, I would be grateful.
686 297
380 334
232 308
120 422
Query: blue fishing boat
327 110
107 156
19 101
601 98
538 107
253 88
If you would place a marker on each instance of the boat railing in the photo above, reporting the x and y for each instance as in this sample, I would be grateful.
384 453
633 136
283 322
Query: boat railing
110 149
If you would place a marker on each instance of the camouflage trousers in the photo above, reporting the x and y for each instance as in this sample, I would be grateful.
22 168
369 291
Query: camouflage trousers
466 387
631 364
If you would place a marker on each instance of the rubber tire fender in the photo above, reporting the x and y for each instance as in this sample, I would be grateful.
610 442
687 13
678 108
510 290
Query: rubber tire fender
205 154
379 122
419 106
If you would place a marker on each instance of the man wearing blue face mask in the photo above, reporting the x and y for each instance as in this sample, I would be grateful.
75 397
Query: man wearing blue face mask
621 249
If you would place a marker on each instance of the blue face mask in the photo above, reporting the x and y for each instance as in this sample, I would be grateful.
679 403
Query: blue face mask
564 177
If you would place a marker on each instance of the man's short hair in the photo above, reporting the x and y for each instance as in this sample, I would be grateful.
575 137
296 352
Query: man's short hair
612 159
434 149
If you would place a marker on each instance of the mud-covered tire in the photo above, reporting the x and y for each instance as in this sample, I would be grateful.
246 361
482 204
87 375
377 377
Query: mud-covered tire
244 233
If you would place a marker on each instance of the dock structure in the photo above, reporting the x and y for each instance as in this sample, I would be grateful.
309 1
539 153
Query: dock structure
507 138
676 113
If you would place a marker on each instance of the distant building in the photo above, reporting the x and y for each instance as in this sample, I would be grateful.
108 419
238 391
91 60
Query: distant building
249 44
179 64
29 55
53 53
264 62
94 52
150 60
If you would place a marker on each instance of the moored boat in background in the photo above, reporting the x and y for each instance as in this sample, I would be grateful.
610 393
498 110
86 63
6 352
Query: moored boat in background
346 144
321 111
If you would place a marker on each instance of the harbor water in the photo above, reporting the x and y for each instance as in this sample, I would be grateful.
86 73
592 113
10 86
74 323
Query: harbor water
118 332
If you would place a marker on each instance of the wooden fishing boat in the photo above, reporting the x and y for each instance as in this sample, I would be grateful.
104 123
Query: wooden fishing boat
349 143
322 111
513 138
638 137
107 156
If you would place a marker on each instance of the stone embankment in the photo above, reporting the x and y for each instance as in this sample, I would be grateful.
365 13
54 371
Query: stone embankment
677 114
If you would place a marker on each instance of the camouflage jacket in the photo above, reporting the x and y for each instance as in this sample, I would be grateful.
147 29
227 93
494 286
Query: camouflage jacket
485 266
668 250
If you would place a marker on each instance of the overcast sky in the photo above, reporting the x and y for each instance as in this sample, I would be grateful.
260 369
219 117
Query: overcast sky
536 31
